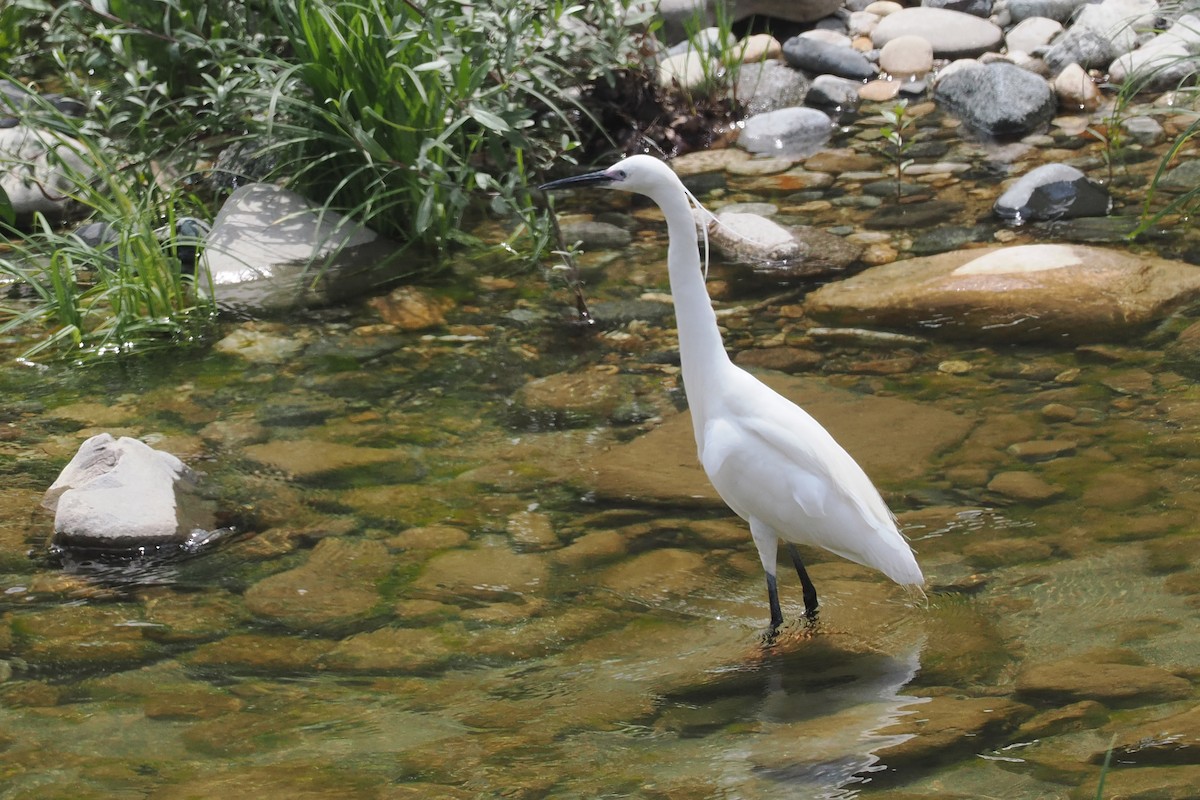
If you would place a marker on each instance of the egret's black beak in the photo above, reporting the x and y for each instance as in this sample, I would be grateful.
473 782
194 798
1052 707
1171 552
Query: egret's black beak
601 178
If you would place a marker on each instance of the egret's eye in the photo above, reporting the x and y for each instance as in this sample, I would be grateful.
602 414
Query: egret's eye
620 175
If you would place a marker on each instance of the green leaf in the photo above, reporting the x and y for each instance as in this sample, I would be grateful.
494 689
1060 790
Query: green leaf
7 213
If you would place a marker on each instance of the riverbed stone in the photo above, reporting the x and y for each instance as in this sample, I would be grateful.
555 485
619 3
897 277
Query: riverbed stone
1048 293
661 467
485 573
951 34
335 588
1143 783
949 727
307 459
581 398
258 652
998 100
1113 684
396 650
792 132
657 574
411 308
1024 487
818 57
82 637
906 57
769 86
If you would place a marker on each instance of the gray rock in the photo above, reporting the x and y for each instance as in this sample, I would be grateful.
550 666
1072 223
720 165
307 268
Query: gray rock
998 100
1053 191
976 8
1182 178
822 58
677 15
1032 34
769 86
122 494
1146 131
834 94
1164 62
794 132
1079 46
596 235
271 250
1059 10
951 33
38 169
1049 292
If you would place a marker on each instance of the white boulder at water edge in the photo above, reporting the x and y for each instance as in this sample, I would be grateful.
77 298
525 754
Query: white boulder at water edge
120 494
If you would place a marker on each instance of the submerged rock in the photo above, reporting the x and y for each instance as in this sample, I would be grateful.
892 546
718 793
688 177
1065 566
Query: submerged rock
122 494
1017 294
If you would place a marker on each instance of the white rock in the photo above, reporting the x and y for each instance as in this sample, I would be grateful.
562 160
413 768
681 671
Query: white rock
884 7
122 493
1076 90
748 237
688 70
270 250
1030 34
794 132
1167 59
906 57
952 34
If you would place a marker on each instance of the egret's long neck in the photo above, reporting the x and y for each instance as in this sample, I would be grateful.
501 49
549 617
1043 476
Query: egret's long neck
701 351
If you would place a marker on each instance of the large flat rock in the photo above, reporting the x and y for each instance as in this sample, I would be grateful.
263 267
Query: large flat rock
894 440
1041 292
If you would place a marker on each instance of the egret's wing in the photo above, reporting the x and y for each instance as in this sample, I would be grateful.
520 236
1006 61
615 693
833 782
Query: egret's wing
780 449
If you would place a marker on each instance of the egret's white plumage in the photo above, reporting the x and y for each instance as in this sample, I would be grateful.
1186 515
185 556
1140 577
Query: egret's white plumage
771 462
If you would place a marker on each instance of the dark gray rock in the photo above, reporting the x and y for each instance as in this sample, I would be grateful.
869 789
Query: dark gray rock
976 8
822 58
596 235
834 95
769 86
1053 191
997 101
1079 46
1060 10
791 132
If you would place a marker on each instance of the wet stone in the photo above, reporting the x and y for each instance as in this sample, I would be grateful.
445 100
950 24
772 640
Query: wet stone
1006 552
334 588
396 650
591 548
1024 487
1113 684
656 575
260 653
1084 715
83 637
1159 783
430 537
1042 450
531 531
783 359
488 573
949 727
580 398
1174 739
411 309
307 459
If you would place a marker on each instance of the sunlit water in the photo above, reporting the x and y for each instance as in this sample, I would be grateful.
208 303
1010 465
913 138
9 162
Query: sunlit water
617 655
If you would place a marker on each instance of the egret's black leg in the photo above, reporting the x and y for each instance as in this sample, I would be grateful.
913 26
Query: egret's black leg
810 591
776 612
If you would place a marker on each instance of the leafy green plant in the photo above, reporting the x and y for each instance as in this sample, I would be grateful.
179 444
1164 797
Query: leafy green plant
897 142
402 114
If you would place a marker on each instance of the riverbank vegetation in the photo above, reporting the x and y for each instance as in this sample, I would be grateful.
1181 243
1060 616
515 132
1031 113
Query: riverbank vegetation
415 117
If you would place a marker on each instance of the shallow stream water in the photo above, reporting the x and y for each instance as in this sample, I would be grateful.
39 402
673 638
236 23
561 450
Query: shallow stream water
479 561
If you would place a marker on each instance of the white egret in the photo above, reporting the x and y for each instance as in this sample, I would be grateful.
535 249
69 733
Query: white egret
771 462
